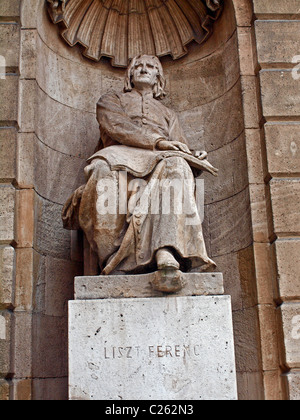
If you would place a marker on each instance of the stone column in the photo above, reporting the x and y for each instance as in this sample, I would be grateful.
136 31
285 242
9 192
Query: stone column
128 341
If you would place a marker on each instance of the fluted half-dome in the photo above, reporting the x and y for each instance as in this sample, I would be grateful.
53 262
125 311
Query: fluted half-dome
122 29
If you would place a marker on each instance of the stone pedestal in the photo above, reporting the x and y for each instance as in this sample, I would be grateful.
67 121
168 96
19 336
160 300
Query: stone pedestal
136 344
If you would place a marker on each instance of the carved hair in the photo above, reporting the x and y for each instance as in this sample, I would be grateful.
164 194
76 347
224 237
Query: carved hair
158 88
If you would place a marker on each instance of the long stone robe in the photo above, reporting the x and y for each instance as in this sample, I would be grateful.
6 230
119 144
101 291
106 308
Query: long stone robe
127 239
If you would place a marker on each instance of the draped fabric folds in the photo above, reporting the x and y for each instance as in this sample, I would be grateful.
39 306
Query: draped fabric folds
123 29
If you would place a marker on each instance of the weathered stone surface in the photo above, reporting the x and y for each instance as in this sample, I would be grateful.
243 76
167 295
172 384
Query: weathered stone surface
10 8
59 287
275 388
288 268
279 93
30 11
223 219
67 82
7 207
250 386
24 279
3 333
210 126
239 277
255 161
243 12
50 335
291 330
49 389
229 266
232 177
9 98
276 41
8 153
26 159
276 7
269 337
196 284
259 215
246 340
27 105
50 238
64 129
52 175
23 349
5 344
25 218
4 390
28 54
9 43
247 276
285 197
251 101
201 84
7 273
293 378
264 270
22 390
119 337
283 148
247 51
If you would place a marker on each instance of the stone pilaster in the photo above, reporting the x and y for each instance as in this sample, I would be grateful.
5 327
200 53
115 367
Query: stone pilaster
9 80
276 28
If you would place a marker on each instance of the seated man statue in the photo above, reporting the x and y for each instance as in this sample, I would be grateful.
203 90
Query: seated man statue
121 209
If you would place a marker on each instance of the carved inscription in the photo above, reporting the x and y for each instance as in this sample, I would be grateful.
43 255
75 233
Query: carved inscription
121 352
162 351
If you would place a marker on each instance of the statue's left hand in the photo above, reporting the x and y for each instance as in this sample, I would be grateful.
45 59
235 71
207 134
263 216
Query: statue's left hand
200 154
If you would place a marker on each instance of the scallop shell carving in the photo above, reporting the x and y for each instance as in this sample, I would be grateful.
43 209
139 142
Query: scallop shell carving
122 29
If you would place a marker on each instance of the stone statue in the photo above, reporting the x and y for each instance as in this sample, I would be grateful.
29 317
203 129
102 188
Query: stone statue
121 208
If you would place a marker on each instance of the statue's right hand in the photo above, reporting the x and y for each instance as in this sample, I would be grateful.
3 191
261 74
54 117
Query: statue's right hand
173 145
165 145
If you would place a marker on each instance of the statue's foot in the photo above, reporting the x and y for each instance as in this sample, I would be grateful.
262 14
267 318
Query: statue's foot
166 260
168 277
167 281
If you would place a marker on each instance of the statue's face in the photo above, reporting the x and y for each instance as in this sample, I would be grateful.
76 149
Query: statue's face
145 72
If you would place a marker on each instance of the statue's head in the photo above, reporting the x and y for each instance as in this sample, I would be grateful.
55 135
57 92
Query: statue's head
147 70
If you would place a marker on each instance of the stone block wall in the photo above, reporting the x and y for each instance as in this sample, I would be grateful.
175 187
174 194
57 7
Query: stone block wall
36 268
9 82
277 31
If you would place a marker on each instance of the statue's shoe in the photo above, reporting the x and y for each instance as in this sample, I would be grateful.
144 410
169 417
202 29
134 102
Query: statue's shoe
166 260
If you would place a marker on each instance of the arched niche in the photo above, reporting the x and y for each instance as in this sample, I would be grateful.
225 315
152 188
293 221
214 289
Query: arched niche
204 88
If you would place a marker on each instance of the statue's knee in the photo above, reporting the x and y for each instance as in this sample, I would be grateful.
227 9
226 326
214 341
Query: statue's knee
177 165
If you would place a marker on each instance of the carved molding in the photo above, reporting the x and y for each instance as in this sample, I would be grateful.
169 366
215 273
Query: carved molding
122 29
